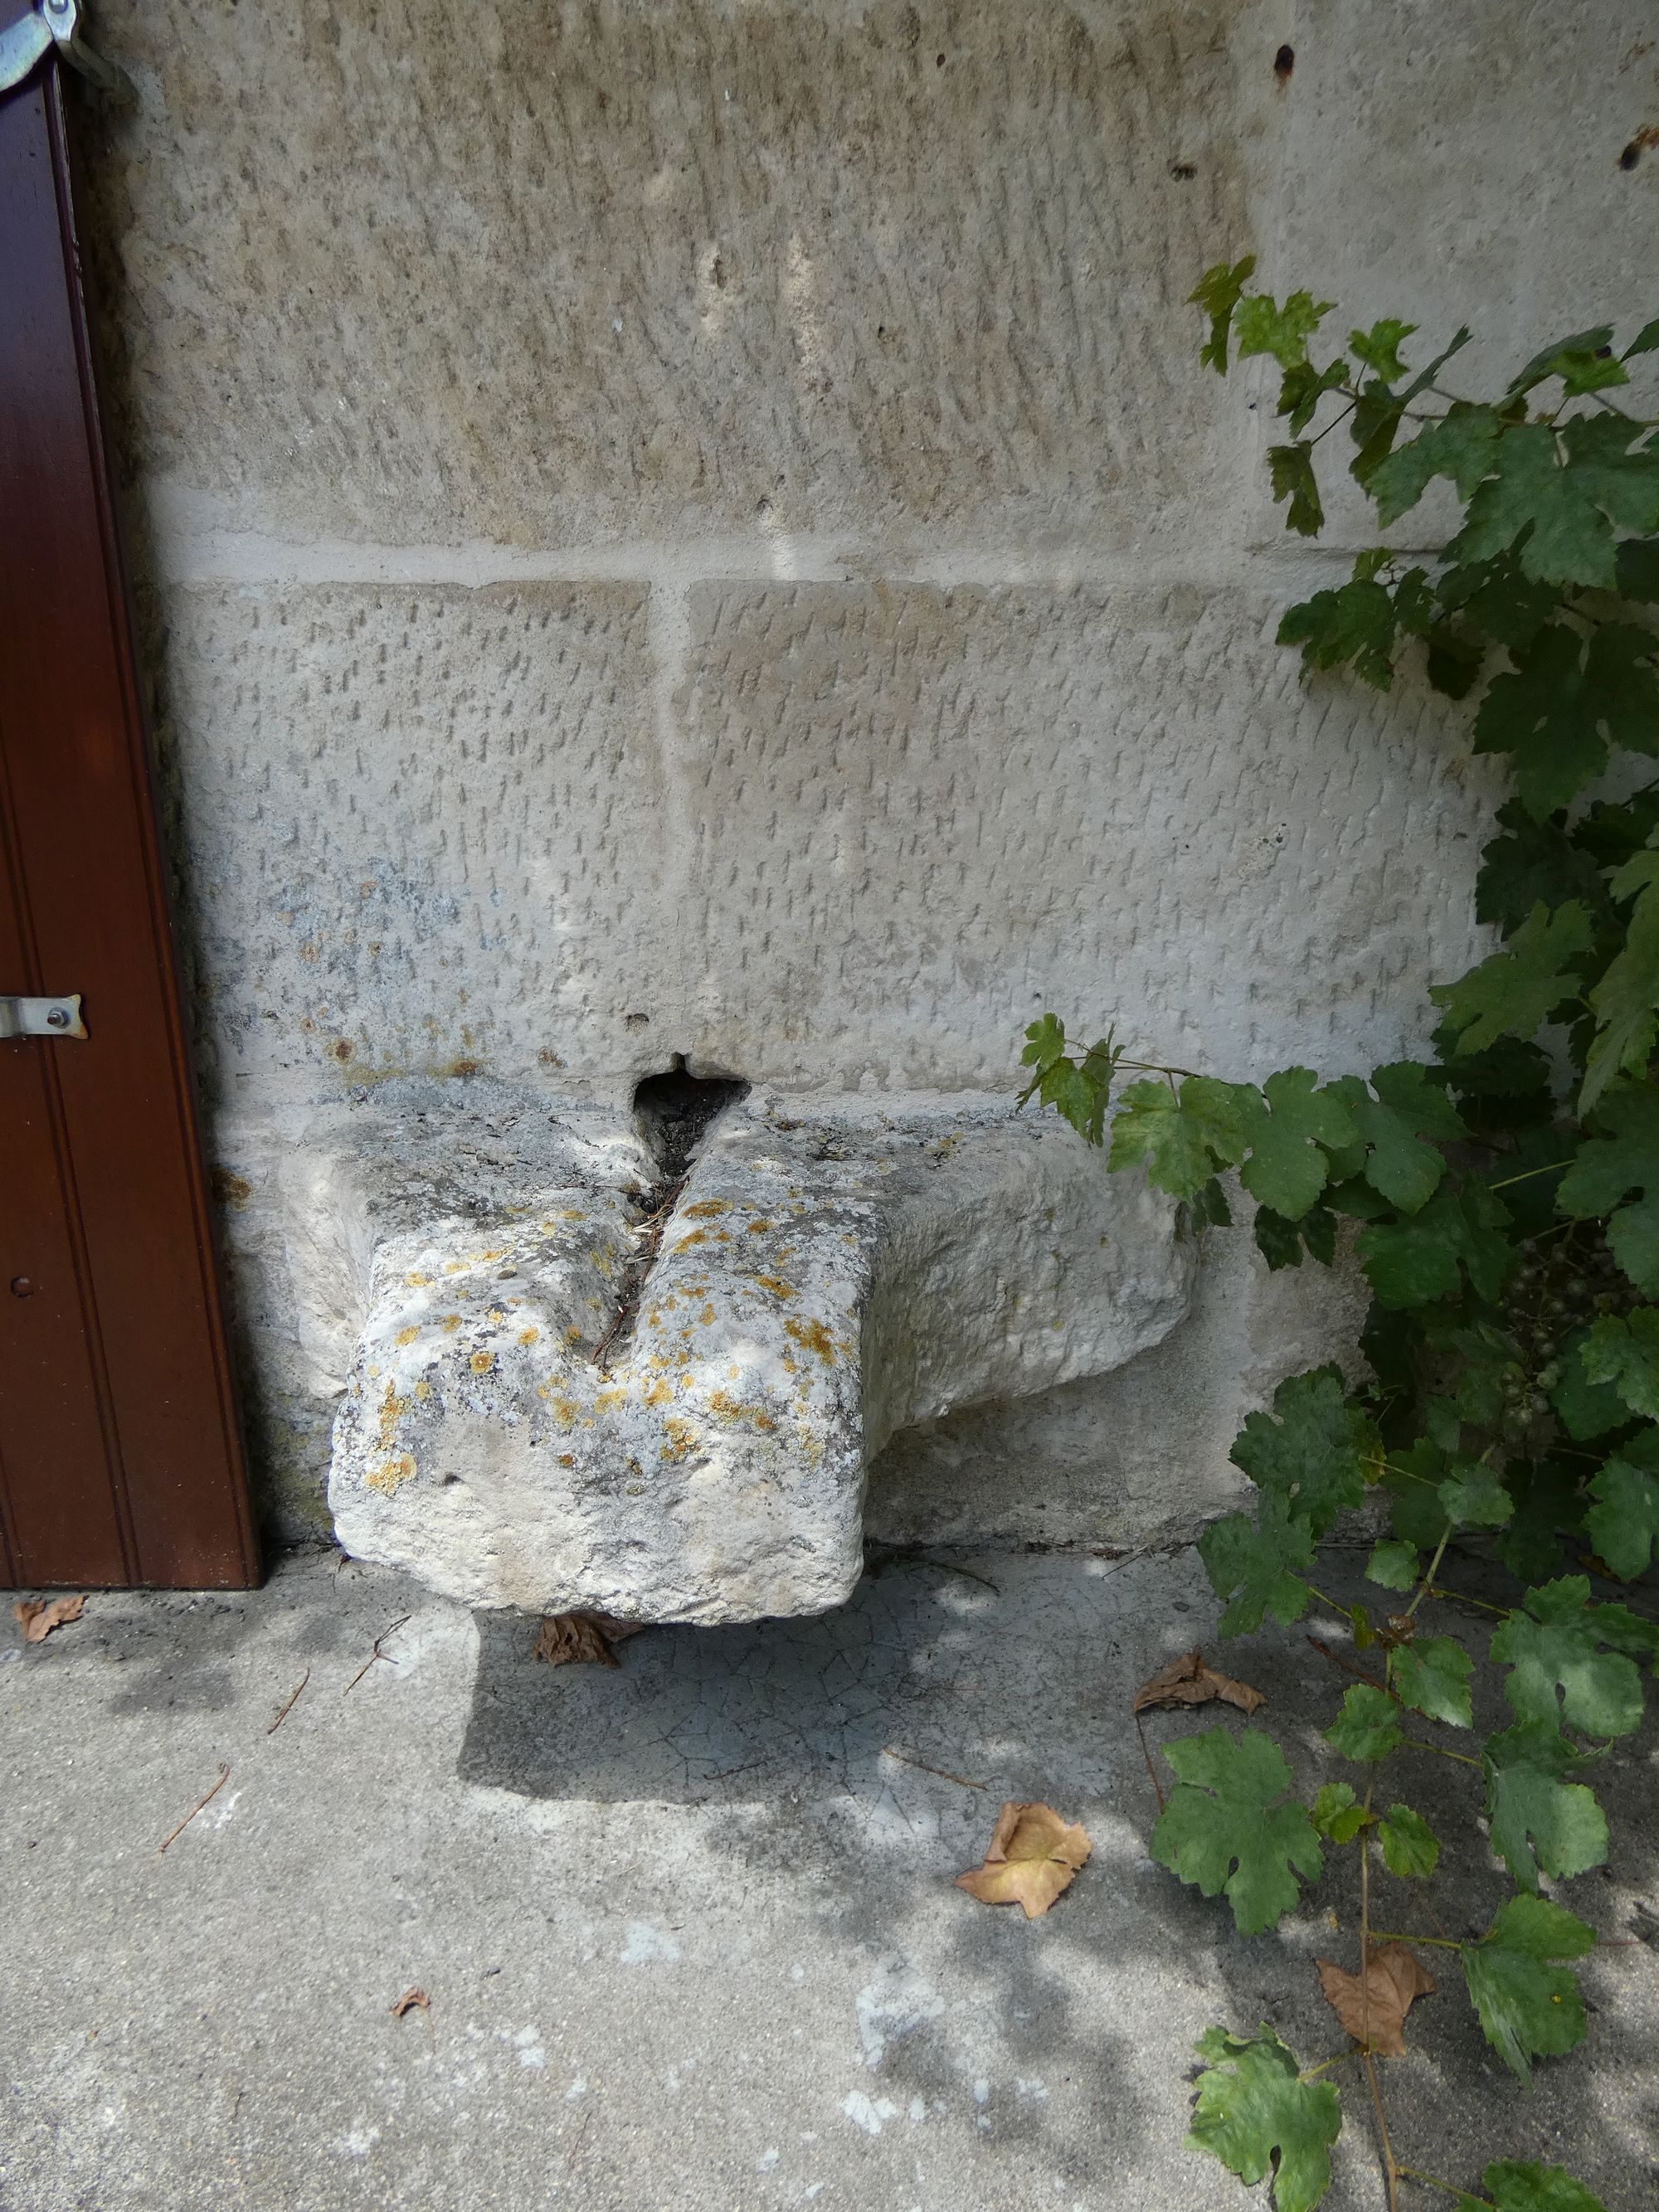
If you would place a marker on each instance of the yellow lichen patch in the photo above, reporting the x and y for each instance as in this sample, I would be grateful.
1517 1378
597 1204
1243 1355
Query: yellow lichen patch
418 1280
573 1334
607 1401
529 1335
706 1208
407 1335
565 1412
450 1323
729 1409
390 1472
696 1237
424 1389
707 1316
455 1267
496 1314
392 1409
482 1362
682 1437
778 1287
658 1393
812 1336
758 1227
567 1459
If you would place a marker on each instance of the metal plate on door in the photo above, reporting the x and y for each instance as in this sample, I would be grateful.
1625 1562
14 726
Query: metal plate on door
43 1018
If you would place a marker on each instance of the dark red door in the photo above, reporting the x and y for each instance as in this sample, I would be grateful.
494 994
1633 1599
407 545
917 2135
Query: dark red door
120 1457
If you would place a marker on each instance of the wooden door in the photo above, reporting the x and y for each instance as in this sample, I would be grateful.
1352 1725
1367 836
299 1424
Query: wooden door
120 1456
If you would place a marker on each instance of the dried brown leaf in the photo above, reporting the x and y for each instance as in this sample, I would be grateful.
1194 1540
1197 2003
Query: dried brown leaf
1034 1854
1188 1681
1394 1978
411 1999
39 1617
564 1638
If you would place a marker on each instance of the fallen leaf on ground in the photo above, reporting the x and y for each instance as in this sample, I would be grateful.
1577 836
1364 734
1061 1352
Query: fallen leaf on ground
1034 1854
1188 1681
565 1638
39 1617
1394 1976
411 1999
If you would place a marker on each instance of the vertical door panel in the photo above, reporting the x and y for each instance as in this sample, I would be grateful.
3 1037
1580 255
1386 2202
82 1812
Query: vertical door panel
137 1476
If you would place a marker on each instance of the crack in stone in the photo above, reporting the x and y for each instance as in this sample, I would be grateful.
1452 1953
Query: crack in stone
675 1112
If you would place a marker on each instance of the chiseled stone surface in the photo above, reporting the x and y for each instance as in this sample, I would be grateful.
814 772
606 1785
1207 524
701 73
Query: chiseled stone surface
434 831
553 273
417 831
822 1281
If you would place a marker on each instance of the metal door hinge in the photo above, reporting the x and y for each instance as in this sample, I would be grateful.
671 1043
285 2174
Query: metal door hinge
45 1017
55 23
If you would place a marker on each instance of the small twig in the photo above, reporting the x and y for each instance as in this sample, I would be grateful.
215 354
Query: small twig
943 1773
1150 1770
289 1706
375 1654
224 1777
1349 1667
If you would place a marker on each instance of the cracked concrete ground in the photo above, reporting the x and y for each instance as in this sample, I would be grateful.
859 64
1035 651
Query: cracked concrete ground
687 1928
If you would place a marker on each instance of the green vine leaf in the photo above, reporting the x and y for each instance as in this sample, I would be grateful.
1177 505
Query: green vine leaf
1563 701
1282 1243
1462 444
1537 1819
1392 1564
1410 1104
1612 1165
1262 327
1225 1830
1356 622
1367 1728
1623 1522
1588 1409
1514 991
1185 1138
1558 1669
1290 468
1379 348
1528 2007
1475 1498
1414 1262
1533 864
1559 494
1531 2188
1586 354
1256 2114
1432 1676
1288 1124
1623 1349
1312 1452
1627 1004
1218 292
1338 1814
1257 1566
1410 1849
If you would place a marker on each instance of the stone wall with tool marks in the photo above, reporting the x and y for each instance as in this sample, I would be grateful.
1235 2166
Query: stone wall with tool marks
697 527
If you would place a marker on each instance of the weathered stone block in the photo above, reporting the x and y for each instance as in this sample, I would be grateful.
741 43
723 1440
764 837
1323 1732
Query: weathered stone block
548 275
415 830
918 817
822 1281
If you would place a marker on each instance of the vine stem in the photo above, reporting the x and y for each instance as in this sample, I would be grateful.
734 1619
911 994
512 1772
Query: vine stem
1433 2181
1509 1182
1390 2169
1439 1750
1439 1554
1440 1943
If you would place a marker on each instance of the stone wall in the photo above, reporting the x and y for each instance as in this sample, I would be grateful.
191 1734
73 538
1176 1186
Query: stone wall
695 528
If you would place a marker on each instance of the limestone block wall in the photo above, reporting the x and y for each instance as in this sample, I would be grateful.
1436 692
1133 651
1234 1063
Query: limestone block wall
696 526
